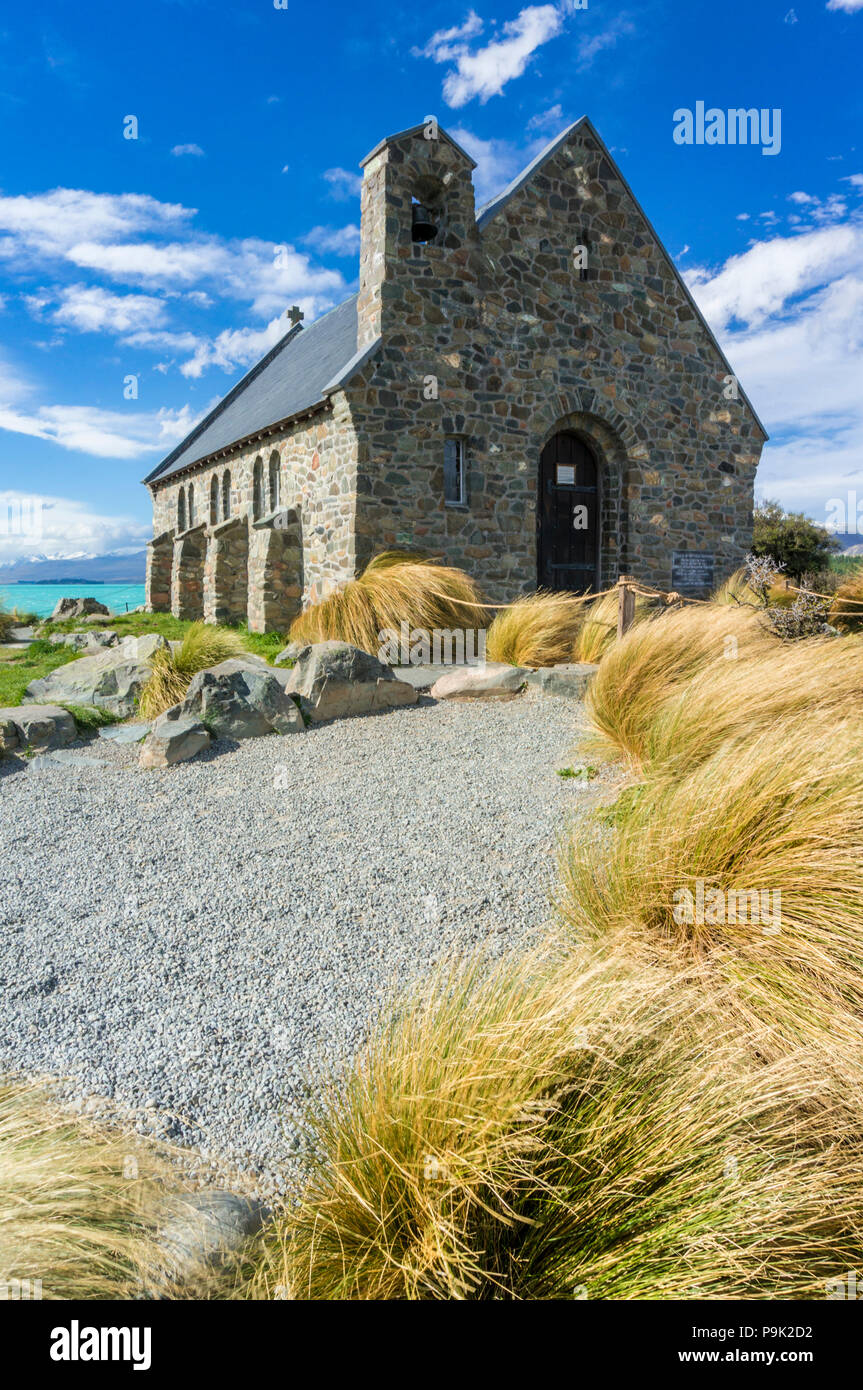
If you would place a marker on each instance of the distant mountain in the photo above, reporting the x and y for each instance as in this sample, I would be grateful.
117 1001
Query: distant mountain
851 542
109 569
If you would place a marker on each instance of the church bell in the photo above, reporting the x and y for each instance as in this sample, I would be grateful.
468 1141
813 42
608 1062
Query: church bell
422 226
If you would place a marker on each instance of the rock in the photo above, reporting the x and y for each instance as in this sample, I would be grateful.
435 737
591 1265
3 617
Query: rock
67 757
125 733
143 648
334 679
241 698
36 726
85 641
494 680
570 680
109 680
77 608
204 1228
173 738
289 653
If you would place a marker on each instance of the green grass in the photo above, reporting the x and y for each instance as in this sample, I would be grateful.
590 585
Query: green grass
846 565
89 718
19 669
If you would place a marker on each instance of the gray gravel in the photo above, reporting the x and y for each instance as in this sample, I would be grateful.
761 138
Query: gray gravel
188 943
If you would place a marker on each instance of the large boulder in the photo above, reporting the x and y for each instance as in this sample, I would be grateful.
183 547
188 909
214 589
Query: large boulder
174 738
334 679
77 608
242 698
492 680
38 727
112 680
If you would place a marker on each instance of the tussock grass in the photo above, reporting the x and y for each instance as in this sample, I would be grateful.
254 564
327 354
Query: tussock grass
551 1126
77 1205
598 631
781 813
736 589
735 699
201 647
540 629
646 668
848 616
393 589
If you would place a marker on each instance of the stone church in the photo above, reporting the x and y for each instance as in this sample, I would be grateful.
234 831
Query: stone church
528 391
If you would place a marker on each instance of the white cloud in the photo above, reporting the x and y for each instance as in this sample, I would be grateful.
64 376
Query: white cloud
485 72
337 241
856 180
797 345
550 120
58 527
188 149
343 183
237 346
849 6
48 224
592 44
91 309
111 434
497 161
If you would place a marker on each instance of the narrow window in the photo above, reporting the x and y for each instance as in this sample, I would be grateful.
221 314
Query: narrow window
454 483
191 505
258 490
226 495
214 501
181 510
275 500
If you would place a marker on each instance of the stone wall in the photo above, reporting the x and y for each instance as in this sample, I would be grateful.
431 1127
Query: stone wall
520 347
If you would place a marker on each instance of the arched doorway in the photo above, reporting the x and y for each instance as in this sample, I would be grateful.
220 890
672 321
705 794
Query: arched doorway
567 541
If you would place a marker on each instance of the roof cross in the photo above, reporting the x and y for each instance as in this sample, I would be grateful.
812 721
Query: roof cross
295 314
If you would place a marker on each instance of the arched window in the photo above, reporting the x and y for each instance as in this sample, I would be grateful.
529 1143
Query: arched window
275 500
181 510
226 495
214 500
191 505
257 490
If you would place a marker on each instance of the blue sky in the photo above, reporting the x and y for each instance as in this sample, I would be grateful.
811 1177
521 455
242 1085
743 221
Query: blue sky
171 257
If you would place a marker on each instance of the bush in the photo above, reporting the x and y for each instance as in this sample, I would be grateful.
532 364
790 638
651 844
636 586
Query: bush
551 1127
792 539
778 812
202 646
394 589
655 659
538 630
77 1205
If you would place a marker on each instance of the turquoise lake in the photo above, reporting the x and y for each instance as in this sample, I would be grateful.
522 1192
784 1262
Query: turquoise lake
43 598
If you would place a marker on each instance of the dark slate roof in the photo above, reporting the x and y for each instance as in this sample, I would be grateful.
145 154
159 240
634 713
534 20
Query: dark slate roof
290 379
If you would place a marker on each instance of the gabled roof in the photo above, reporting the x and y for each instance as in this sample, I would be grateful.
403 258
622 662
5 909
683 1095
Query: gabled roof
417 130
490 210
291 379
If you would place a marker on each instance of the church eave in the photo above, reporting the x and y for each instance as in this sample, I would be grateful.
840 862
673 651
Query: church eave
248 441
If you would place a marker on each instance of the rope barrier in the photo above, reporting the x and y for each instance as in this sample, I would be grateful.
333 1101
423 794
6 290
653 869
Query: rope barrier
466 603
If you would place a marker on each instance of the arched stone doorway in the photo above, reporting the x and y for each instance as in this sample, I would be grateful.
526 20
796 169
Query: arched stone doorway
568 515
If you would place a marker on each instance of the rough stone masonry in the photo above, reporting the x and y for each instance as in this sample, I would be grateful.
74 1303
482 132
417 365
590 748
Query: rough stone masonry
526 392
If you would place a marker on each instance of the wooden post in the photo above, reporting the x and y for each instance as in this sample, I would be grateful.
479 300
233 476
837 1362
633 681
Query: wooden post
625 604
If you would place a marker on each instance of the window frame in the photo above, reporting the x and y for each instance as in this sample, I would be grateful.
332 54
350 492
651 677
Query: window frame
458 442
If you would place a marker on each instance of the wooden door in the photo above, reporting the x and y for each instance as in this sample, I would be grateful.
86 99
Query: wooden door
568 516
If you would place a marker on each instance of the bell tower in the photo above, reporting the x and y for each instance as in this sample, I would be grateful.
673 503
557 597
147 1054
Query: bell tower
418 228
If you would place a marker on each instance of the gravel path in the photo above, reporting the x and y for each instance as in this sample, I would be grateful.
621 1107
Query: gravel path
191 941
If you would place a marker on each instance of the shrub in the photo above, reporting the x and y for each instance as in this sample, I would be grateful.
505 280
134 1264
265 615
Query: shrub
776 813
77 1204
648 666
550 1127
733 700
202 646
7 622
394 589
540 629
792 539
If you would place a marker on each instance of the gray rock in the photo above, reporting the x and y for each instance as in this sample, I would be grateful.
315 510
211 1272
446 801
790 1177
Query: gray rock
77 608
36 726
493 680
204 1228
289 653
334 679
173 738
85 641
125 733
67 757
109 680
143 648
569 681
422 677
241 698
